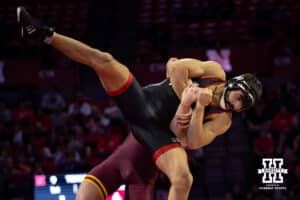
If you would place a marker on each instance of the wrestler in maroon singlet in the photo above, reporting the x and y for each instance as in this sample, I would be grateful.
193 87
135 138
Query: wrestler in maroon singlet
131 164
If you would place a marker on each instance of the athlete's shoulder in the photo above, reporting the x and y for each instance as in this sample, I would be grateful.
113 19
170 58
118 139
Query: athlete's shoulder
214 69
196 66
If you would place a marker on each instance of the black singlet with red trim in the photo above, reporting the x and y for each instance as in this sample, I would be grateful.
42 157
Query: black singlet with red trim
150 110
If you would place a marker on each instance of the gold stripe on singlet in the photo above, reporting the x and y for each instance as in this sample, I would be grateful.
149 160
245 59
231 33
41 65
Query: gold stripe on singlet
96 185
94 178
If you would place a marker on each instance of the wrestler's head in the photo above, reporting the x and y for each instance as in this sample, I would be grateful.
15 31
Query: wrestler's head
241 92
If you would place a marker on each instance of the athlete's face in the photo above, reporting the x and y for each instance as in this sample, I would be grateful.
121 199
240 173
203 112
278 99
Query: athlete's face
235 100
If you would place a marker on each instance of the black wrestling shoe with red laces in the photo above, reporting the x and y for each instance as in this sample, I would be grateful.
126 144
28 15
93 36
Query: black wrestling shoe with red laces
31 27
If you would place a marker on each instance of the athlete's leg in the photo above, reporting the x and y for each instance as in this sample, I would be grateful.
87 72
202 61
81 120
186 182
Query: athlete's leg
101 181
174 164
112 73
88 191
139 191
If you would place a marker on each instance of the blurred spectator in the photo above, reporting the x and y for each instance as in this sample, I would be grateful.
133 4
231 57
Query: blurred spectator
70 162
257 120
18 136
85 109
74 108
94 125
43 121
24 114
5 114
2 78
112 111
47 165
58 118
296 146
264 144
52 100
114 140
282 121
58 155
237 194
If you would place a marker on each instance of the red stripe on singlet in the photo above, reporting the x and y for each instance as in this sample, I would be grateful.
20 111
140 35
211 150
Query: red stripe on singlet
122 89
164 149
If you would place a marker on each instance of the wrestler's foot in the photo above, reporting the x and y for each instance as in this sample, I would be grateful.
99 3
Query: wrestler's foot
31 26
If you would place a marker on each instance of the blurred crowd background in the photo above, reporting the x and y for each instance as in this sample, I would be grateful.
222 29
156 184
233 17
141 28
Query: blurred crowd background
56 118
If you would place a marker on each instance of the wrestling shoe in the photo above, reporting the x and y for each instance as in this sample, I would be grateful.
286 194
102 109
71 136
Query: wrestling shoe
32 27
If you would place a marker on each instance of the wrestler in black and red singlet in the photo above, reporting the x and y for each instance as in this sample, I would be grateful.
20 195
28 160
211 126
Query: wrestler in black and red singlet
149 111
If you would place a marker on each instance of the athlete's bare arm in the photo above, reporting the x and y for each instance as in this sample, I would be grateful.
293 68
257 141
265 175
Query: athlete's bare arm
189 125
180 71
181 121
197 134
200 134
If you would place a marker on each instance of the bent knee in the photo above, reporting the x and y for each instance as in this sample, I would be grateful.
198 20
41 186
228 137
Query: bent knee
107 57
182 178
100 59
88 191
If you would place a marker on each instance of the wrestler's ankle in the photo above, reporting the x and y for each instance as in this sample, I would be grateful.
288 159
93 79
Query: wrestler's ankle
49 39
